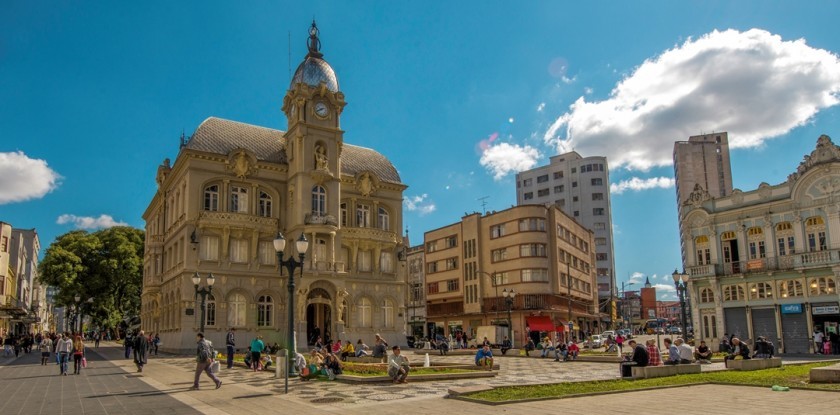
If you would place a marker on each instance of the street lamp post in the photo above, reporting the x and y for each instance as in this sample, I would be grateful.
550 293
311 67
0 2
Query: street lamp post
291 265
203 292
78 299
509 295
681 282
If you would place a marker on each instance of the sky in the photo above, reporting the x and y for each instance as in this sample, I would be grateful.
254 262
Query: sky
458 95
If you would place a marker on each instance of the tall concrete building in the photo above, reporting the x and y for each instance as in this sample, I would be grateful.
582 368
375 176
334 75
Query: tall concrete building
538 252
580 186
234 186
416 279
701 161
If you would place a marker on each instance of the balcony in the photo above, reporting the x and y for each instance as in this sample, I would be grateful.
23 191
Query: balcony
800 261
370 234
232 218
325 266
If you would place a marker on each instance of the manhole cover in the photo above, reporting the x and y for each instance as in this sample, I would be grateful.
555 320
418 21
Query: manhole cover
327 400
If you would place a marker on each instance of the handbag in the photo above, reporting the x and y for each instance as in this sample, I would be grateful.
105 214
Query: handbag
215 367
84 362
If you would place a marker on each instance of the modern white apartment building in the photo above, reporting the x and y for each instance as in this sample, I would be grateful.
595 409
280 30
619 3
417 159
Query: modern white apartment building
580 186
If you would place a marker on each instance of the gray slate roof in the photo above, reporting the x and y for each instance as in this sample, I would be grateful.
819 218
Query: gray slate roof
220 136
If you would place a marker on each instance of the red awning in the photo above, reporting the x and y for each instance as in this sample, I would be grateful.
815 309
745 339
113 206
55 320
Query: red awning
539 323
561 328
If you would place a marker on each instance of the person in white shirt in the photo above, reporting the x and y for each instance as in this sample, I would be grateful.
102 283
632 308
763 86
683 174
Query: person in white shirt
818 341
686 352
398 366
45 347
63 348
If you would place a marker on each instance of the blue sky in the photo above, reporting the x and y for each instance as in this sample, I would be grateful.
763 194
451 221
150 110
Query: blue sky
93 96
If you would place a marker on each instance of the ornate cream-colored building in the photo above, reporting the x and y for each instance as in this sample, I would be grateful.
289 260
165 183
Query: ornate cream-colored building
231 189
767 262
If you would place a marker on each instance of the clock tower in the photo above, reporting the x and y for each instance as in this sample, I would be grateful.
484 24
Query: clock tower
314 140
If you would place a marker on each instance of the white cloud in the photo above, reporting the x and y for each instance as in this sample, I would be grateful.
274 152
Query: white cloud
665 288
23 178
636 184
588 91
636 278
89 222
419 204
752 84
502 159
541 107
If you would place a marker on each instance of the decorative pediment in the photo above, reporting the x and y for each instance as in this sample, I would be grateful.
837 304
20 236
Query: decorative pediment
697 196
242 163
825 152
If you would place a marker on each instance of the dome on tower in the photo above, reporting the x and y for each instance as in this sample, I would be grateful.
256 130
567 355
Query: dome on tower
314 69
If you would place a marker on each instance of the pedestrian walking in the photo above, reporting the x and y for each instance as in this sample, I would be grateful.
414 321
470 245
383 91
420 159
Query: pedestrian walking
63 349
203 360
141 346
230 342
127 344
156 342
97 337
45 347
257 347
78 354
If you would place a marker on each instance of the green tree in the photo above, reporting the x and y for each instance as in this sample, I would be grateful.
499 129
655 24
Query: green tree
106 266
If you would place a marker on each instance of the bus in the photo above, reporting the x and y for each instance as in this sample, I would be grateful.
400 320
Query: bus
652 325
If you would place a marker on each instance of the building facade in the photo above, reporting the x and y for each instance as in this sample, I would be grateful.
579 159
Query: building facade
234 186
539 252
416 279
669 311
702 161
580 187
23 304
766 262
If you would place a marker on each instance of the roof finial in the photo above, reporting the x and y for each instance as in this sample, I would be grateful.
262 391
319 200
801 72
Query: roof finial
313 42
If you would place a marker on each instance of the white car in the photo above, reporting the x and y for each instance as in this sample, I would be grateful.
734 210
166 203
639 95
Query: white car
596 341
607 334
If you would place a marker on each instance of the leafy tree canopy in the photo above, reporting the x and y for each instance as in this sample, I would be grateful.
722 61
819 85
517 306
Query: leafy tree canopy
106 266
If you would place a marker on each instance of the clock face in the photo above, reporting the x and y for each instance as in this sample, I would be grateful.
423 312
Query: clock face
321 109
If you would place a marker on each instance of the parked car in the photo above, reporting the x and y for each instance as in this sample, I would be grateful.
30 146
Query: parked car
674 330
607 334
660 330
596 341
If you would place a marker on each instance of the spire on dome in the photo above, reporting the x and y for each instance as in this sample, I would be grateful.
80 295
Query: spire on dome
313 42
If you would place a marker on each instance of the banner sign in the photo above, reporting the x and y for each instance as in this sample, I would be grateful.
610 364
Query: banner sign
791 308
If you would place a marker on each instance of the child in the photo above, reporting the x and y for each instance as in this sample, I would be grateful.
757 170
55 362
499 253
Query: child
826 346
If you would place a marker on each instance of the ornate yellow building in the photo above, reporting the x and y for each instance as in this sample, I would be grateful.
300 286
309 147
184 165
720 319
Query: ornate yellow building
231 189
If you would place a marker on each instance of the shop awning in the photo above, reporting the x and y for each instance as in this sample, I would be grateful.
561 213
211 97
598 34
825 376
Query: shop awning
565 325
539 323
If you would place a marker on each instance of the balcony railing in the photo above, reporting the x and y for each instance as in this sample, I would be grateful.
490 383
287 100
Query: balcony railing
802 260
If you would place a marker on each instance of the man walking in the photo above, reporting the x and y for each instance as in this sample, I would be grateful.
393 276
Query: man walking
141 346
63 348
203 360
230 342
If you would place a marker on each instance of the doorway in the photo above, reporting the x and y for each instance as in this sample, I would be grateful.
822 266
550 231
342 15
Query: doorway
729 246
318 322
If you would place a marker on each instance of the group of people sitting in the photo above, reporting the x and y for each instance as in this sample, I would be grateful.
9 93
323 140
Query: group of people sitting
561 350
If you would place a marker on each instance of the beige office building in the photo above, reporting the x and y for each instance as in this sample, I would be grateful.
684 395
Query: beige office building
231 189
539 252
766 262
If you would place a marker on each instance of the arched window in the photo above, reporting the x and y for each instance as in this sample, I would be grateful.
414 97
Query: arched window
704 253
383 220
238 199
210 313
791 288
784 239
815 233
365 315
236 310
319 201
388 313
265 205
265 308
211 198
707 296
733 293
822 286
755 241
761 290
362 216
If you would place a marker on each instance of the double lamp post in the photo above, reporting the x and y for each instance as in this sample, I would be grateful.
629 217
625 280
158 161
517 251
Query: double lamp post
204 292
681 282
301 245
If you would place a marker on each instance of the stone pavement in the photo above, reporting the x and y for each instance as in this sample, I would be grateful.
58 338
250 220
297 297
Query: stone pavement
111 385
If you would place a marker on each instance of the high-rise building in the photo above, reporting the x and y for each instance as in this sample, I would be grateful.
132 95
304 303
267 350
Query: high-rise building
580 186
701 162
537 252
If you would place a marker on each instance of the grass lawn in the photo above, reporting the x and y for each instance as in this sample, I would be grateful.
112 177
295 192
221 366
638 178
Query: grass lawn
790 375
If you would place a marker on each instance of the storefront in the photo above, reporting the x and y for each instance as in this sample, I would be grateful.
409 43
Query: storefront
795 333
826 317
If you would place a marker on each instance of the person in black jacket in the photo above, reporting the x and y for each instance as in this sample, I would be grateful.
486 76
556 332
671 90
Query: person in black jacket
739 348
230 343
640 358
141 347
763 349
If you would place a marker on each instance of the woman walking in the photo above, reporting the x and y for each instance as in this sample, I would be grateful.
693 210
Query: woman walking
78 354
45 347
257 347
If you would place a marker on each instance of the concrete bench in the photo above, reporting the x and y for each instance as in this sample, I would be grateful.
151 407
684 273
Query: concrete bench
754 364
648 372
827 374
366 359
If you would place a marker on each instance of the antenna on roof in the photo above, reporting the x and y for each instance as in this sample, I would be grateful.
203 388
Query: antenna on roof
483 203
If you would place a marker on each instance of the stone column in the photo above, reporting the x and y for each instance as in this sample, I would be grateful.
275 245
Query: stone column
833 225
798 233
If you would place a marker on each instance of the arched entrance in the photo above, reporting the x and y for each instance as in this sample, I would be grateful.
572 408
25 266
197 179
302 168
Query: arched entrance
318 315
